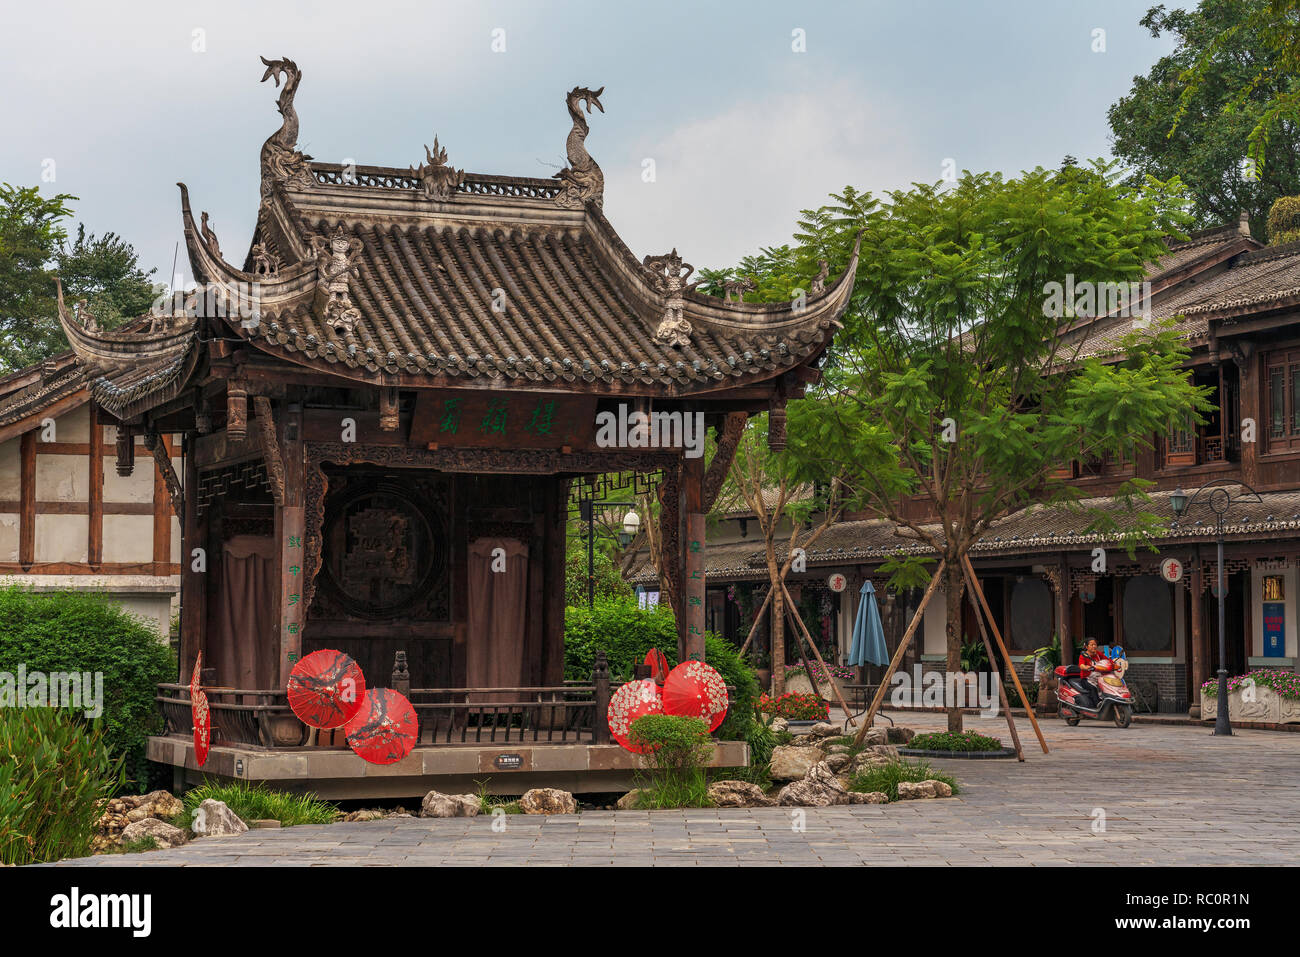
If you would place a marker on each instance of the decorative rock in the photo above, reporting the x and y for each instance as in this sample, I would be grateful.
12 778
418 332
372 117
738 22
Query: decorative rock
876 736
819 788
837 760
871 797
913 790
629 800
738 794
779 724
942 789
823 729
266 822
368 814
215 819
900 735
874 757
164 805
166 835
548 801
792 762
437 804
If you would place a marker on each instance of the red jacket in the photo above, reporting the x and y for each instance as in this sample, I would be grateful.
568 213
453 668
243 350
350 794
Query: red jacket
1087 661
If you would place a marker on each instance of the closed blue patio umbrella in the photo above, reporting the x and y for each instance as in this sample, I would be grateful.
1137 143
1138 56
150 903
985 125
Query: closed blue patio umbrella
868 634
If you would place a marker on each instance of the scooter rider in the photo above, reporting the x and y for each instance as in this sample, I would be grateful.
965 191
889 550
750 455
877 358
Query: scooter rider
1089 657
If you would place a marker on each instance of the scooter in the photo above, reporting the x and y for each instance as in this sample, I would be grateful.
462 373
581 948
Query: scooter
1101 695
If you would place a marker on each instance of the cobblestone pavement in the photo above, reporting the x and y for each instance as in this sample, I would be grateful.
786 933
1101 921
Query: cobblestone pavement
1169 795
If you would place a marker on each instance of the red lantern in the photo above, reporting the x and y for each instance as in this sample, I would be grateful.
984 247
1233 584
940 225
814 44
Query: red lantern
696 690
633 700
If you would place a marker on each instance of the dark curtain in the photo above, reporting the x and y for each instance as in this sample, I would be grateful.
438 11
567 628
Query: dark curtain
495 644
242 645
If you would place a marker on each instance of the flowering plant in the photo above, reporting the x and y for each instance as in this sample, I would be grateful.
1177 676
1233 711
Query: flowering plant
1285 683
795 706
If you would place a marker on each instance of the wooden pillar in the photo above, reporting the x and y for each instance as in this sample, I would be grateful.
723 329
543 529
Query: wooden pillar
95 509
552 663
690 627
193 579
27 500
291 529
1197 645
237 410
125 450
1250 409
1063 610
162 512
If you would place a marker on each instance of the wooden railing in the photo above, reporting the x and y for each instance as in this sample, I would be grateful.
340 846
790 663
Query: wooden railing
571 713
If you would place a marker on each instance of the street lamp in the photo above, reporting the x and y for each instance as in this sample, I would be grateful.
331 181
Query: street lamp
1219 500
587 513
631 525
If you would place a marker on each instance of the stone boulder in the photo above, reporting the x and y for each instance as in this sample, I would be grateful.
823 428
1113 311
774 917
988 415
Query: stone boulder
779 724
630 800
215 819
738 794
873 757
916 790
548 801
838 760
824 729
819 788
791 762
871 797
876 736
366 814
900 735
164 834
437 804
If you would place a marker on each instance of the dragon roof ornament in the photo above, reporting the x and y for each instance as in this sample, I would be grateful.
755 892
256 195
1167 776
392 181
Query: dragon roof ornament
282 162
583 181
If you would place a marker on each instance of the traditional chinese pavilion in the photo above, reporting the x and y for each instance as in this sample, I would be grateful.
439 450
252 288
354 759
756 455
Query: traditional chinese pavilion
383 414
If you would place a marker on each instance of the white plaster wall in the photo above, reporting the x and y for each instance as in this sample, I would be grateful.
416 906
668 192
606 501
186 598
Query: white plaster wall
62 538
128 538
1289 585
74 426
62 478
136 487
9 527
935 624
10 471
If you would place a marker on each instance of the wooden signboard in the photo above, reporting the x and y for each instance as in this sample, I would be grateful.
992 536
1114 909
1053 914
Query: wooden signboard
502 419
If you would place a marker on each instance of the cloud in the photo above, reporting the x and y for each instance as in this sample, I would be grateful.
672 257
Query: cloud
729 183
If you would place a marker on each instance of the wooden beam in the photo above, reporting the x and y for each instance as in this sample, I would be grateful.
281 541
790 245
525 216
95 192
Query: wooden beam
95 500
692 561
266 436
728 441
27 496
166 484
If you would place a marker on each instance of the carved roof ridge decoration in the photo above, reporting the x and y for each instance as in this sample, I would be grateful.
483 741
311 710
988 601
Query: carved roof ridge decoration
438 179
583 180
165 338
281 160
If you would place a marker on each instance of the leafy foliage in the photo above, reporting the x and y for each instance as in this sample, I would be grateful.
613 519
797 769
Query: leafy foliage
1221 83
622 630
954 741
86 632
1284 221
795 706
886 777
54 772
256 802
678 749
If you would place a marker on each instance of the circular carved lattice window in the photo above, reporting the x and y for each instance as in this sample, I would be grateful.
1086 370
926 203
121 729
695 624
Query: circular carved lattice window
383 550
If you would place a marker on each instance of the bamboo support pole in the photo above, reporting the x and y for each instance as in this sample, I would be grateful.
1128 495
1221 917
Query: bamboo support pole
974 582
898 655
988 650
801 631
758 619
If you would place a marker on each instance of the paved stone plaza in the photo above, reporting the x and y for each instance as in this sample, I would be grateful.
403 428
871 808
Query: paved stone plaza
1170 795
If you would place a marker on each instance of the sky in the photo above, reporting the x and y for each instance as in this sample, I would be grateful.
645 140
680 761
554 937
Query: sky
747 111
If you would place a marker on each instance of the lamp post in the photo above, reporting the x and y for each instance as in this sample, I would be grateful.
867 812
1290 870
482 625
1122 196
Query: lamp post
1218 500
631 524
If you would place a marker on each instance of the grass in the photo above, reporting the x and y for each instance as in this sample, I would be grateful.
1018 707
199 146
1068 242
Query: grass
886 777
955 741
146 843
666 791
487 803
256 802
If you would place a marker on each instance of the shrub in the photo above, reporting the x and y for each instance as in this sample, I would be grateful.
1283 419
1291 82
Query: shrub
796 706
54 771
954 741
885 777
256 802
1013 696
743 685
88 632
678 749
1284 221
1286 684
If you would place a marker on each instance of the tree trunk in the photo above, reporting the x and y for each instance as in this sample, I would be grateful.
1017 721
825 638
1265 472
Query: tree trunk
776 626
953 585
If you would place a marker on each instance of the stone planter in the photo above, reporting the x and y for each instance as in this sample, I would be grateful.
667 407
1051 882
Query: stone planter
803 685
1268 707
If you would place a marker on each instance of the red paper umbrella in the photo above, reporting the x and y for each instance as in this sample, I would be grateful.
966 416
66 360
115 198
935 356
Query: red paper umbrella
202 728
200 714
657 662
633 700
696 690
385 729
326 689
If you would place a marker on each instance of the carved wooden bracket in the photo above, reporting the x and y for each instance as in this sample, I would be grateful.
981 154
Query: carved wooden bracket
388 418
125 450
723 456
776 424
270 447
162 460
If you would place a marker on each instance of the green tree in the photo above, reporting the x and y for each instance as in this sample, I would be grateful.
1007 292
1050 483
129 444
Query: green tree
1230 86
953 380
30 236
105 271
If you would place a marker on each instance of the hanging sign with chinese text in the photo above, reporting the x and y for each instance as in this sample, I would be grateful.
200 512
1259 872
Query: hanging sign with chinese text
1171 570
502 419
837 582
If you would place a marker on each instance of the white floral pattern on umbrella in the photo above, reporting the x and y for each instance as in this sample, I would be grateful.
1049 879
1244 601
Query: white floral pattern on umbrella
633 700
696 690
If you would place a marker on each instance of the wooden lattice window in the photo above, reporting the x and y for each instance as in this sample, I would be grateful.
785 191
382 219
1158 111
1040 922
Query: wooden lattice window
1282 399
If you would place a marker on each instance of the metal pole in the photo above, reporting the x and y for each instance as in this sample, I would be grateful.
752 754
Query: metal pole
1222 725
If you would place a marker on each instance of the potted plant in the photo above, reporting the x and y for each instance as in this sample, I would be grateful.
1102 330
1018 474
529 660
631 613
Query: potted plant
1045 660
800 709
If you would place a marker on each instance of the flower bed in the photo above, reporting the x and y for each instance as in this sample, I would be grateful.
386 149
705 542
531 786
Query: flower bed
1267 696
1286 684
795 706
954 741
